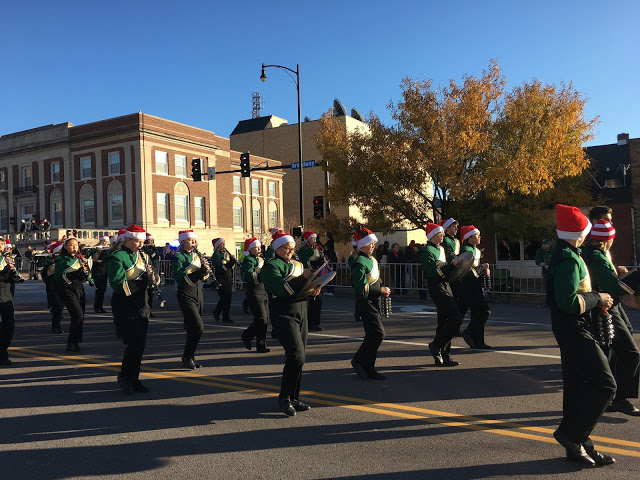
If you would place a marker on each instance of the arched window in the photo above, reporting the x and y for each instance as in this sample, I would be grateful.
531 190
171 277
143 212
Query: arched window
57 212
181 202
87 206
116 203
273 214
238 214
4 224
257 215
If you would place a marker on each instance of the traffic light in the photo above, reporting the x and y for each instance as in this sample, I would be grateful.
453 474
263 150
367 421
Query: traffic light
318 207
245 166
196 169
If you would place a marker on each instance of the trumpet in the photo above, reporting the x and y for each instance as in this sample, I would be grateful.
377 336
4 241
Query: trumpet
151 280
14 275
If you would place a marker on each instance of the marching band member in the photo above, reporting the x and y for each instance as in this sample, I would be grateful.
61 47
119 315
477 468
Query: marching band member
56 306
8 253
257 299
70 273
311 257
436 268
99 255
365 279
284 278
223 263
7 314
152 253
130 274
189 270
471 294
588 383
597 256
350 261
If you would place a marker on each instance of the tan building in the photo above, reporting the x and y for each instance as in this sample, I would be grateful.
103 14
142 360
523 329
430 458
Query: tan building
105 175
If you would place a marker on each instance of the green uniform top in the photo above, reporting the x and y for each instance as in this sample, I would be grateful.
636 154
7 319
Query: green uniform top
68 269
282 279
476 271
127 271
187 269
603 273
251 268
48 268
571 282
310 257
542 256
365 276
221 263
451 247
434 263
352 259
269 253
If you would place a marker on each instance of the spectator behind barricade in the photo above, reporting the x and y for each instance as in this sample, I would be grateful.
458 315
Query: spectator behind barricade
543 258
46 227
23 225
504 250
17 256
422 288
167 252
30 264
398 270
330 249
410 252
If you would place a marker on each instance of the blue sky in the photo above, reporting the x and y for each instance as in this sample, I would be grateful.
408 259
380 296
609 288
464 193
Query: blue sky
198 62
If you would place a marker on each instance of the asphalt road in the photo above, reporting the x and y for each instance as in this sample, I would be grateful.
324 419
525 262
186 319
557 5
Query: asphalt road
63 416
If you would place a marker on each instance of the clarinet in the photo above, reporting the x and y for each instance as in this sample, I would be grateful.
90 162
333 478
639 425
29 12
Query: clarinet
13 274
85 270
155 290
210 273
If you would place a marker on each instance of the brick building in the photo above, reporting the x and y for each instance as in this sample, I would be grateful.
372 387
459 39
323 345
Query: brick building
101 176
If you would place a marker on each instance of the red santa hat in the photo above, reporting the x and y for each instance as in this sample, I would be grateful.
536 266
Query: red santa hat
448 222
603 231
468 230
54 247
7 242
308 234
363 237
149 236
113 239
135 232
273 230
121 234
249 243
216 242
572 224
280 238
433 229
103 237
184 234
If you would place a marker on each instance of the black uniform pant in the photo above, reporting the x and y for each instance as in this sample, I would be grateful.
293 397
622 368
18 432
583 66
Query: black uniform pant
314 309
55 303
133 324
624 357
7 327
224 304
449 319
472 298
290 321
74 300
259 306
192 312
588 382
101 288
373 334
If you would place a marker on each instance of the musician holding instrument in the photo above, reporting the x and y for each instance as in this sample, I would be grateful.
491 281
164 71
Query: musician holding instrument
312 257
284 278
7 313
436 269
257 298
56 305
471 291
189 270
588 382
98 255
130 275
70 274
152 254
365 280
350 262
223 264
604 276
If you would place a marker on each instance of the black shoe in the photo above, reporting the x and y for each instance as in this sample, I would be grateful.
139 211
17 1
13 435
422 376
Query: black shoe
188 363
102 310
73 347
317 328
575 451
596 456
375 375
449 362
299 406
435 353
195 362
216 317
469 339
624 406
362 373
285 405
262 348
56 330
483 346
140 388
246 341
125 386
5 362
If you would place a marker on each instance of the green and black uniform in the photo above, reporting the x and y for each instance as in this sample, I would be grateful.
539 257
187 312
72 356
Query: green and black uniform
283 279
350 262
7 315
436 268
365 280
188 273
312 258
69 275
99 274
128 278
154 259
588 383
223 264
472 297
56 306
257 301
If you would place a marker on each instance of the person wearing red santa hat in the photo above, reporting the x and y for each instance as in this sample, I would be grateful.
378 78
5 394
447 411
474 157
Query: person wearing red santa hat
150 249
257 298
350 261
436 268
99 255
56 306
588 382
223 263
7 312
312 257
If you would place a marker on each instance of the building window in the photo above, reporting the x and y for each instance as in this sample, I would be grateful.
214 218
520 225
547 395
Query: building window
255 187
162 162
273 215
162 200
114 163
257 216
4 225
87 205
116 207
182 208
55 172
238 218
26 179
237 185
57 213
181 166
3 180
85 167
273 193
199 207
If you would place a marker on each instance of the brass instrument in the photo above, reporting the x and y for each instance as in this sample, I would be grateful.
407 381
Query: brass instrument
14 275
151 279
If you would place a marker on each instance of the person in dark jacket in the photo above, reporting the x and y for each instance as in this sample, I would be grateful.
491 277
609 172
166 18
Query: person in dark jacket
397 258
7 313
257 298
56 305
223 264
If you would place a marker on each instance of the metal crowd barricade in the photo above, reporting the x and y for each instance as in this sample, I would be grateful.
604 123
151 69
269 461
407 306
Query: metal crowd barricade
165 271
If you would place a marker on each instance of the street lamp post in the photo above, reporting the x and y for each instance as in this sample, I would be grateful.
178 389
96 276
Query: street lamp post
263 78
